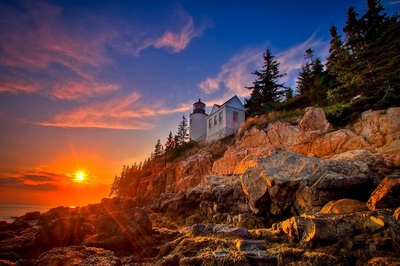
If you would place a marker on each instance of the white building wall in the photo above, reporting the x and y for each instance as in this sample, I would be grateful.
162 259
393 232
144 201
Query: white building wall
240 118
216 130
197 126
229 124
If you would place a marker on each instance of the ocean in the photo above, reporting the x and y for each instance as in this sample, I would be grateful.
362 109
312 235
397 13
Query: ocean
8 211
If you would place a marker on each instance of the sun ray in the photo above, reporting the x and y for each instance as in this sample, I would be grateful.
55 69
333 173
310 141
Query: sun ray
80 176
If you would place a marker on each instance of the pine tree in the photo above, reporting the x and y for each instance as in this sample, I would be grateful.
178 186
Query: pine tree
182 135
114 191
336 64
366 63
170 142
313 81
266 91
158 149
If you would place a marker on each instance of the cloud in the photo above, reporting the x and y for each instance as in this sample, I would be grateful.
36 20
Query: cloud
394 3
36 179
291 59
176 40
116 113
126 112
236 74
44 51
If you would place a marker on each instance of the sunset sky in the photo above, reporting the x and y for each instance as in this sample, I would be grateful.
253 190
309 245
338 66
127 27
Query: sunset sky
92 85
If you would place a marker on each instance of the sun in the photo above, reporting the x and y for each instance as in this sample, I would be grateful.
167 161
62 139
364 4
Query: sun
80 176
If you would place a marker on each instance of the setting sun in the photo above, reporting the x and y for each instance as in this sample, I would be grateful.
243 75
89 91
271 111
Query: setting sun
80 177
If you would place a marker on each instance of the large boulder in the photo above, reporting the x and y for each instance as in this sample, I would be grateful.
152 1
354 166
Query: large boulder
379 127
391 153
78 255
386 195
315 119
354 227
285 182
344 206
64 231
234 155
127 230
307 229
331 143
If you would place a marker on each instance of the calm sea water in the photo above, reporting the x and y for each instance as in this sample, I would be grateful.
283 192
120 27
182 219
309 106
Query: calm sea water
8 211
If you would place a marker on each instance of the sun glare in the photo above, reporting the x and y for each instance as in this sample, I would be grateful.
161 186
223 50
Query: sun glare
80 177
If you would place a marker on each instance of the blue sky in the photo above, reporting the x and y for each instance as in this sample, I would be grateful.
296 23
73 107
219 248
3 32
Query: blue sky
93 84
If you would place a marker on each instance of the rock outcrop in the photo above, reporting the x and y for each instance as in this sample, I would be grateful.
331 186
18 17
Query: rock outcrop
386 195
376 131
344 206
282 195
288 183
78 255
127 230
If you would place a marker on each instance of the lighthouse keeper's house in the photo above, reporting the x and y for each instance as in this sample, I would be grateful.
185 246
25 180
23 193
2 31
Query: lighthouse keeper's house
222 121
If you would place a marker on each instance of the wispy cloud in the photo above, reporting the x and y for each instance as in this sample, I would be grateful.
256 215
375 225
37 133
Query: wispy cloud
394 3
61 57
43 51
115 113
236 74
120 112
175 35
178 41
291 59
36 179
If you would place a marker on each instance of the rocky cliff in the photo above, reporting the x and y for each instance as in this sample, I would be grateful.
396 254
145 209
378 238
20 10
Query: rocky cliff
283 194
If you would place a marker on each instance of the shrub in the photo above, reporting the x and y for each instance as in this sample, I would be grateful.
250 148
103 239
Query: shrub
340 115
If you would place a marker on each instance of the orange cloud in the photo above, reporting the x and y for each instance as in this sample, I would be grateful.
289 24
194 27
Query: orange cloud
35 179
116 113
122 112
176 40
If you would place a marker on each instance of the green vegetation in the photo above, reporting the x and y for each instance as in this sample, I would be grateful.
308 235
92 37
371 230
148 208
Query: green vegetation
362 71
266 92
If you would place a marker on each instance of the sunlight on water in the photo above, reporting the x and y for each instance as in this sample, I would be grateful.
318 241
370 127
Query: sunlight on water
9 211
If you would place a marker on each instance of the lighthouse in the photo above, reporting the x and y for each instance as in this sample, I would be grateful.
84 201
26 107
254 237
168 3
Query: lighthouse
198 126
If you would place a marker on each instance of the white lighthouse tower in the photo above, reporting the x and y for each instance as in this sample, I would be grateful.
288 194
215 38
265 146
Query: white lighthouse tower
198 123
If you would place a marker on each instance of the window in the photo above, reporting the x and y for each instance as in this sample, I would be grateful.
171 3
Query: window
191 121
220 117
235 116
209 123
215 119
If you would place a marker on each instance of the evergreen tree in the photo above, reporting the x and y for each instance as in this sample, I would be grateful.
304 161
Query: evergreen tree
114 191
158 150
366 63
182 135
336 63
170 142
266 91
313 81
